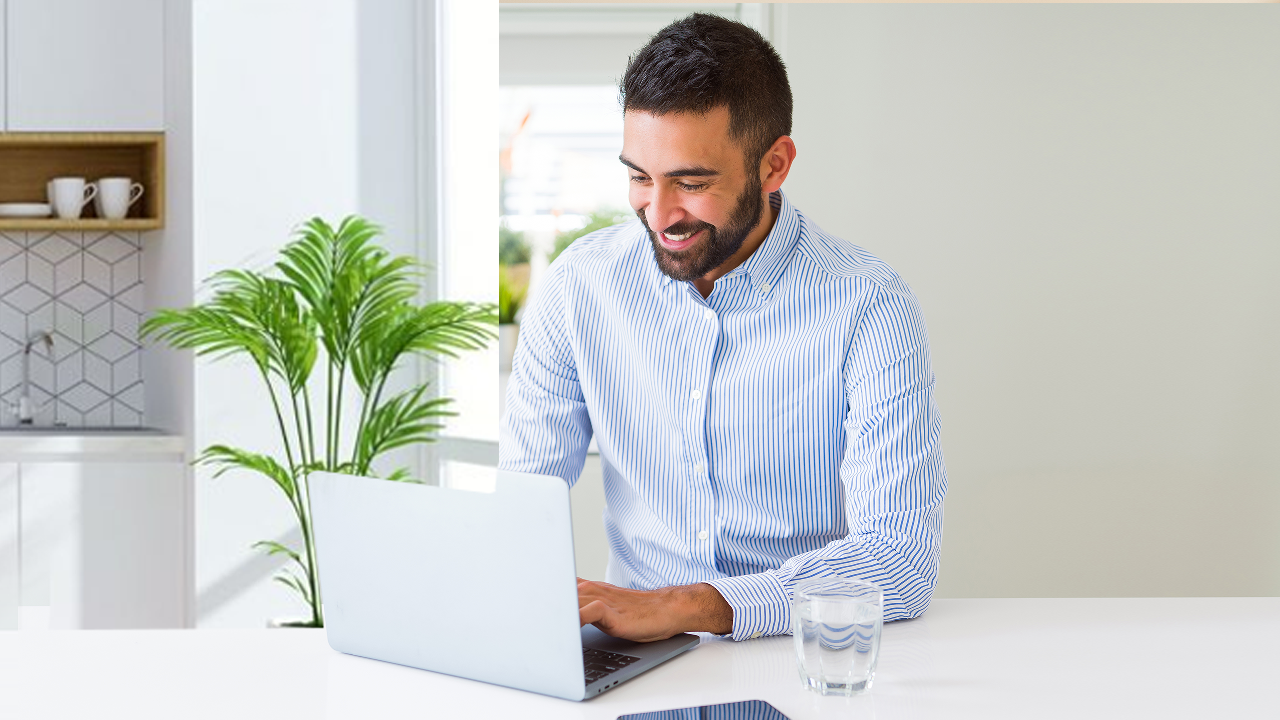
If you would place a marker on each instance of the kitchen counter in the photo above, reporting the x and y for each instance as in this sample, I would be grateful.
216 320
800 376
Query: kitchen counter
24 444
1064 658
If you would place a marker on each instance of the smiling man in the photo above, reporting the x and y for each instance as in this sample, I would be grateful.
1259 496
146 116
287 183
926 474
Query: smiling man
760 391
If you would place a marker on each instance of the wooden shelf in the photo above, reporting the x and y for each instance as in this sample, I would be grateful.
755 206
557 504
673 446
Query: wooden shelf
29 160
83 224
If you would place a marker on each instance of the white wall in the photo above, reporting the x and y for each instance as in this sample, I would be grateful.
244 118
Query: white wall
387 129
1084 199
167 267
302 108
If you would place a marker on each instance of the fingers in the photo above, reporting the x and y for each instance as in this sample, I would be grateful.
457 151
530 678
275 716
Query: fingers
593 612
593 589
586 593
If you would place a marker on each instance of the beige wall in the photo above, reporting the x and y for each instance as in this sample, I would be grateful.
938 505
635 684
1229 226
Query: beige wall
1087 201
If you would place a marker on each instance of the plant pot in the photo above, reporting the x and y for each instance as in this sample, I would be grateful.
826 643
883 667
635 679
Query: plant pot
507 336
276 623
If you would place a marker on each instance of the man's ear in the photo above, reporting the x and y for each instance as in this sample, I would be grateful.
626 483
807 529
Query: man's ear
776 163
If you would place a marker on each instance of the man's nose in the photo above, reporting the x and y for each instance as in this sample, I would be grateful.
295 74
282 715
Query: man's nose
664 209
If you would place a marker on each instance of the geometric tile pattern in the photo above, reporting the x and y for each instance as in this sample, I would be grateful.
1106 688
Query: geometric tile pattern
86 289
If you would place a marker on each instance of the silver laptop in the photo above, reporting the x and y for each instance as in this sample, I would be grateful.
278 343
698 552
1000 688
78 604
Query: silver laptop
477 585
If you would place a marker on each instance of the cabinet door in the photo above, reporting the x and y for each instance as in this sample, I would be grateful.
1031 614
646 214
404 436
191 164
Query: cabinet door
45 512
3 39
85 65
114 557
10 576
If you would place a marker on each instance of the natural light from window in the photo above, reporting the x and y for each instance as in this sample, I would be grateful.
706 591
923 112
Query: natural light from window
558 152
466 249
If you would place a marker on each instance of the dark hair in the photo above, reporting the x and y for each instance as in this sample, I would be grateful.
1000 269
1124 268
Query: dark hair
706 61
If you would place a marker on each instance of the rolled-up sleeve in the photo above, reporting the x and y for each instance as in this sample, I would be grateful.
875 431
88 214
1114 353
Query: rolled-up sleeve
892 473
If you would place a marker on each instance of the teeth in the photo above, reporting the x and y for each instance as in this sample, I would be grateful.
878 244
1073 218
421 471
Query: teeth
678 238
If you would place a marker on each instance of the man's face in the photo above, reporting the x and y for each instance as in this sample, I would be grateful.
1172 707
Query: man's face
690 188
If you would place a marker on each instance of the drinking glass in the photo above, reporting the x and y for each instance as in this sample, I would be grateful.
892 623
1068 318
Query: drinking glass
836 623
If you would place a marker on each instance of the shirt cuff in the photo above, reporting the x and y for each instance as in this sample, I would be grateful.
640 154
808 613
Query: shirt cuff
761 606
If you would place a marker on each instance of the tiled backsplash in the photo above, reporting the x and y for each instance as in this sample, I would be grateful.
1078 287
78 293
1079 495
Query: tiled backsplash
86 288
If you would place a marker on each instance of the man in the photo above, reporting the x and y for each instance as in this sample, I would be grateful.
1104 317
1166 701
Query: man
760 391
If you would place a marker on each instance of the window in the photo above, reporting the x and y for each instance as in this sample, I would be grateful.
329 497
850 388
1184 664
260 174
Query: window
458 110
559 150
467 115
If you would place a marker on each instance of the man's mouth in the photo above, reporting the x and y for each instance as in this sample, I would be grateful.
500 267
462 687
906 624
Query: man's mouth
678 242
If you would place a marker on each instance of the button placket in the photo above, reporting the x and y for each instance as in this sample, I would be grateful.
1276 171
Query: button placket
707 328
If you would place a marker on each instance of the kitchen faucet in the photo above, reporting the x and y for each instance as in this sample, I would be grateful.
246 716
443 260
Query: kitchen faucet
23 409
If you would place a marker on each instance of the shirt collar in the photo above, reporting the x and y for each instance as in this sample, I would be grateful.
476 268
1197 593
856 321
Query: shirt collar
769 260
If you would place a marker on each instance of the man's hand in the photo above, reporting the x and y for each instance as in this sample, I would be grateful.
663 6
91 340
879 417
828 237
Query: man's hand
648 615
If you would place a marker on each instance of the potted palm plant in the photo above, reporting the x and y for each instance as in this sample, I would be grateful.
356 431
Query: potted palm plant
339 306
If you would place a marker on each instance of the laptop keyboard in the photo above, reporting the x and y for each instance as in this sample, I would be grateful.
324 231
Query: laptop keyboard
598 663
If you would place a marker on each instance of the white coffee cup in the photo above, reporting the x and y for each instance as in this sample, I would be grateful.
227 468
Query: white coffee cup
115 196
69 195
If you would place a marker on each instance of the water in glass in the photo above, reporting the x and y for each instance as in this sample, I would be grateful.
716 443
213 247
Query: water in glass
837 636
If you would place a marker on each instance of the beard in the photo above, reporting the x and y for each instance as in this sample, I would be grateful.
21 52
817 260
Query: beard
718 245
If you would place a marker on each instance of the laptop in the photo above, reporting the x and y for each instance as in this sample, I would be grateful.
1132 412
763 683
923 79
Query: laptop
477 585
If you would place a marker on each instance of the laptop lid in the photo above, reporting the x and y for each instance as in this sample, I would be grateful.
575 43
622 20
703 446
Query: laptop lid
477 585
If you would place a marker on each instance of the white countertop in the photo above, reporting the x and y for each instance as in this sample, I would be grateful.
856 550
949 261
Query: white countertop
52 444
992 658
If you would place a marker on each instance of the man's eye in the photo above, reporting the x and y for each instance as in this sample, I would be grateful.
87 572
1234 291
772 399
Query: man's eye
686 186
639 179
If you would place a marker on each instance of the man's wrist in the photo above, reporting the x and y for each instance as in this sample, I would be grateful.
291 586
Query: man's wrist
701 608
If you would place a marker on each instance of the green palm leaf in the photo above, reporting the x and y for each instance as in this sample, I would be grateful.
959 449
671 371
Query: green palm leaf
403 475
291 581
226 458
274 548
207 330
433 330
404 419
268 309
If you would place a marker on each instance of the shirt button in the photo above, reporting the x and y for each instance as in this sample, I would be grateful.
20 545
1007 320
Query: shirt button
755 635
695 394
764 288
698 468
710 315
702 534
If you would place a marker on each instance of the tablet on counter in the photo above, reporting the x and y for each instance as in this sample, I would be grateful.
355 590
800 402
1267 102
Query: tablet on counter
745 710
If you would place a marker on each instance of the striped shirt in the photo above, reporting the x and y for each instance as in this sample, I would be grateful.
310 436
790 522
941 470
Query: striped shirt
781 429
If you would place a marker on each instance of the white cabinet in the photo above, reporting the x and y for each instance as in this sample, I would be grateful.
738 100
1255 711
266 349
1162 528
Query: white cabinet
95 526
44 509
3 91
84 65
102 543
10 576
